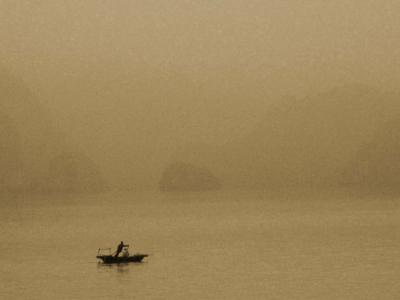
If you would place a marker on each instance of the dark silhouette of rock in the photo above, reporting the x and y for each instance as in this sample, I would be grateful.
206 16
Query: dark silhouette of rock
186 177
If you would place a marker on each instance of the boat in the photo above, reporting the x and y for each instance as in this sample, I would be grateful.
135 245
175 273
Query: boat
125 257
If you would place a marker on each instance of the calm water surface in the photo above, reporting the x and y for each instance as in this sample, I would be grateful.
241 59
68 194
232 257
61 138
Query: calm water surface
202 246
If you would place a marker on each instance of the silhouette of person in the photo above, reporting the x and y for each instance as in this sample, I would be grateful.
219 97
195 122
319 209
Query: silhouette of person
119 248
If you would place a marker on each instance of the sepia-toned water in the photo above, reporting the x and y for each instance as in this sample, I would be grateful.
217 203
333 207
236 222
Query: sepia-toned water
202 246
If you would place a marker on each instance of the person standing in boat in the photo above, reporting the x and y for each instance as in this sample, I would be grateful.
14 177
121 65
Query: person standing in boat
119 248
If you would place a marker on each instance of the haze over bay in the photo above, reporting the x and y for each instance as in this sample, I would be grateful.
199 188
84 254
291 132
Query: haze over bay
252 148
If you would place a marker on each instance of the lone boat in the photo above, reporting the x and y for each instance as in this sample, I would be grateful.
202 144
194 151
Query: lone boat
110 258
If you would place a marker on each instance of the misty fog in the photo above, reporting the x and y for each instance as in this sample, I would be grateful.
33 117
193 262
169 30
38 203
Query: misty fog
260 94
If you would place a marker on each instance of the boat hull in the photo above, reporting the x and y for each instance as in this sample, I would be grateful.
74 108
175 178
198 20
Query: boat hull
109 259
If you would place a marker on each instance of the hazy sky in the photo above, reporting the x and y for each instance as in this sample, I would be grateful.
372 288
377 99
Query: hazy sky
215 46
150 75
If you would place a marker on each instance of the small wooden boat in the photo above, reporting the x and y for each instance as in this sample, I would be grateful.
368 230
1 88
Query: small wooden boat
110 258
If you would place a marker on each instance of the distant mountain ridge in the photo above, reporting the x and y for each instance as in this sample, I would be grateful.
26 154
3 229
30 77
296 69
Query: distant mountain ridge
377 164
347 136
30 146
306 142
